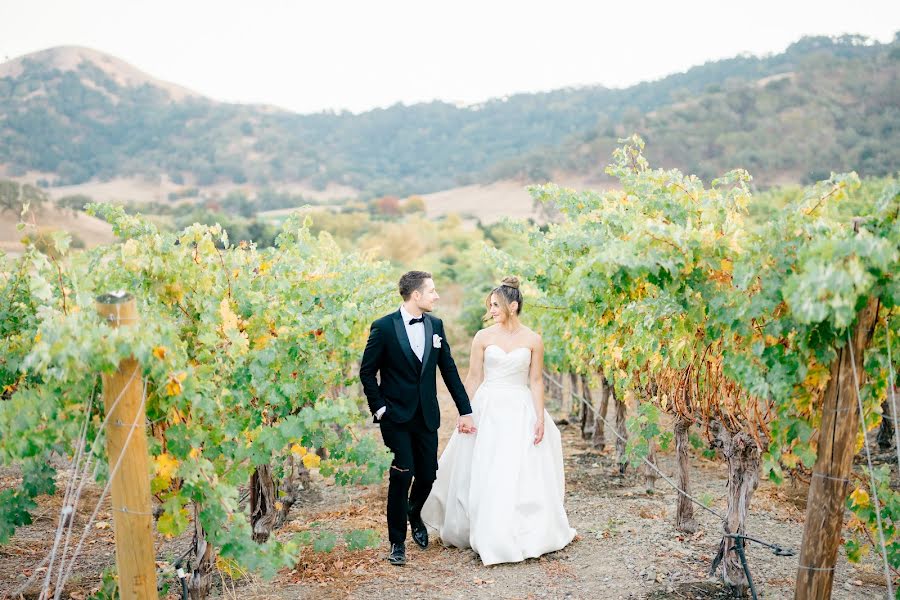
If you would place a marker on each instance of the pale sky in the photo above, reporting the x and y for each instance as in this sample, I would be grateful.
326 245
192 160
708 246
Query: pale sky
337 54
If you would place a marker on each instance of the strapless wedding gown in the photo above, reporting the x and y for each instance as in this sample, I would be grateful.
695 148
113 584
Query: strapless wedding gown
497 492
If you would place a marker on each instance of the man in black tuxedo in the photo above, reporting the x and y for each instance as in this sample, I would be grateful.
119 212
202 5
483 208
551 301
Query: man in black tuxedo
403 348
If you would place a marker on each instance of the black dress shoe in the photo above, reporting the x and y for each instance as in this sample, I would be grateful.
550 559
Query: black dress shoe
398 555
419 531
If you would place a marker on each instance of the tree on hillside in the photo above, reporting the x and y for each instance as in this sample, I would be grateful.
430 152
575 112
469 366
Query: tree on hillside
15 197
387 206
76 203
414 204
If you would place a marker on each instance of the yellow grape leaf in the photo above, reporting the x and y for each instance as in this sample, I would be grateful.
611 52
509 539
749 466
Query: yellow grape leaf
311 460
175 291
159 352
853 523
173 387
860 497
175 416
229 566
165 466
790 460
195 452
817 378
229 319
262 341
37 338
803 400
298 450
264 267
278 505
726 265
171 524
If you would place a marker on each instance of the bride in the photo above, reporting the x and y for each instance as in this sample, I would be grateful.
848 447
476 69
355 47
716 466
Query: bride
501 490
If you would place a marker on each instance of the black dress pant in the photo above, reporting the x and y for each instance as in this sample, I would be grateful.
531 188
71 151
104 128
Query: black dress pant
415 464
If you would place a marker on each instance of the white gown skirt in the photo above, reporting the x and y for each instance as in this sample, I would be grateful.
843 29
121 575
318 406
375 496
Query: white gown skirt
496 491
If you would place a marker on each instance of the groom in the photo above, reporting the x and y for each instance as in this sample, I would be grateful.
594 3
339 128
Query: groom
403 348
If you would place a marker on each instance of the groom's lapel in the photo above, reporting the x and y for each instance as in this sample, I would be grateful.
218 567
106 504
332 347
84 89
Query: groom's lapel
404 342
429 332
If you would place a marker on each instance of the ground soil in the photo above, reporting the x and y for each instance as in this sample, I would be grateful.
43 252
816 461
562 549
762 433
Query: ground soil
626 545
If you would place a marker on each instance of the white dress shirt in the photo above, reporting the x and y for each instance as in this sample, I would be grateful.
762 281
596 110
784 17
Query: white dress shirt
415 333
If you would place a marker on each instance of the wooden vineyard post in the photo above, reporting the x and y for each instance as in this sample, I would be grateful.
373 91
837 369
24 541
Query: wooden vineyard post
130 489
837 446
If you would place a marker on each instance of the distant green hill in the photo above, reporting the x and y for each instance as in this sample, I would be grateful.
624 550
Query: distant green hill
824 104
834 106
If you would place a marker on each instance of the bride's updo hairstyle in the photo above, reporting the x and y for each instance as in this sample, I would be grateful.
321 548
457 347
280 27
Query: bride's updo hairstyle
507 293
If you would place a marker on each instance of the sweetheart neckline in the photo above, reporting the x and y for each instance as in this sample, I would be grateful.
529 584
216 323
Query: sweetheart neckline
511 351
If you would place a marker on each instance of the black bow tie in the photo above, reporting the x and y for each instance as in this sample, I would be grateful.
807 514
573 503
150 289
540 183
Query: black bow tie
419 320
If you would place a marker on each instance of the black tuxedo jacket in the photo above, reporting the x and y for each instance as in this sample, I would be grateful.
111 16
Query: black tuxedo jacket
405 381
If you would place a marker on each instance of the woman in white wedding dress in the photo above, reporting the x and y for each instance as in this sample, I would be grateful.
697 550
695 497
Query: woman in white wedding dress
500 490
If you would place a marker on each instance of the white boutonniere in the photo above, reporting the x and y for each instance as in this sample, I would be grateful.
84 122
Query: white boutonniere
436 341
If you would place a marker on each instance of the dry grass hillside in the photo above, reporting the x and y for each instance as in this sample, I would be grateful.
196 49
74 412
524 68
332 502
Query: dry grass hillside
69 58
88 229
494 202
141 189
486 203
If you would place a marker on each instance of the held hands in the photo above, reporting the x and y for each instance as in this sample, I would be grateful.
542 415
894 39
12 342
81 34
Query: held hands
466 424
538 432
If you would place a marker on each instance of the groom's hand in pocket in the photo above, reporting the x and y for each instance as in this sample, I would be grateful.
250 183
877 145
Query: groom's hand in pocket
466 424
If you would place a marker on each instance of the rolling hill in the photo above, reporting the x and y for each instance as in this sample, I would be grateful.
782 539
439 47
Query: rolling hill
72 116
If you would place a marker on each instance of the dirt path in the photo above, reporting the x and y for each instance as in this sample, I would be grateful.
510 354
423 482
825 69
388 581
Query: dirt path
626 546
